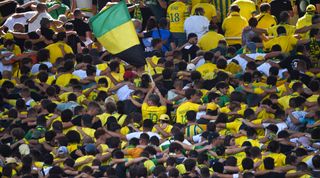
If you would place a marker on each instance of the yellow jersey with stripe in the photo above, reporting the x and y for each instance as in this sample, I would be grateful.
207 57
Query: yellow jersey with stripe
192 130
177 13
222 7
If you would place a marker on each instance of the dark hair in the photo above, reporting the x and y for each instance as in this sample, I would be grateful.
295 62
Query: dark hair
273 146
189 164
192 35
253 22
247 163
61 36
281 30
264 7
268 163
235 8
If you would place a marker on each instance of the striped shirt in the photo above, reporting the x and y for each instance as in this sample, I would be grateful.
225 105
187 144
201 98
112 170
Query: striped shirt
222 7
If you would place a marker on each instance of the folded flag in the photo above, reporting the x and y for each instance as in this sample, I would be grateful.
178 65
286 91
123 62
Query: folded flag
115 31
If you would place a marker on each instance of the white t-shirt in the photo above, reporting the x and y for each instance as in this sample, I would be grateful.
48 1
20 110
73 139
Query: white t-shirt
80 73
35 67
6 67
11 21
196 24
137 135
36 24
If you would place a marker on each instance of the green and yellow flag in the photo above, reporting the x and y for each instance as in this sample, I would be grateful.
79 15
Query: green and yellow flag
115 31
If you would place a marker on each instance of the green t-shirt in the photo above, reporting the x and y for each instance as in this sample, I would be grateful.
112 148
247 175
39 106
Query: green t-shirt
61 10
223 100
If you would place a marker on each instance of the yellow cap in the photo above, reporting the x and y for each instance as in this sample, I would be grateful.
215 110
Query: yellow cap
311 8
8 36
164 117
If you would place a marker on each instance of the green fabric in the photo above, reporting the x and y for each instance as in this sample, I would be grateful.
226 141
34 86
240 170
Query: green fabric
110 19
223 100
61 10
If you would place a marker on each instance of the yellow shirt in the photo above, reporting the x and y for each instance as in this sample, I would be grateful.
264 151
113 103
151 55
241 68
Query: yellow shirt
16 49
313 98
82 158
55 51
183 109
210 40
103 118
207 70
290 29
234 126
209 10
247 7
177 13
304 21
287 43
279 159
266 20
64 79
153 70
284 101
167 129
152 112
229 24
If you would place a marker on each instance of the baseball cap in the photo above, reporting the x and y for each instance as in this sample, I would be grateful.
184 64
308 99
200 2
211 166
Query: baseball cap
311 8
62 150
164 117
90 148
10 160
191 67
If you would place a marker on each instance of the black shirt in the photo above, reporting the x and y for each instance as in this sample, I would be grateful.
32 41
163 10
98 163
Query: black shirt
302 5
277 6
80 27
73 41
189 54
47 33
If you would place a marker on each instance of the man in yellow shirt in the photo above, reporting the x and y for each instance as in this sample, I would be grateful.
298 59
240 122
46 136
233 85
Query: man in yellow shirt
274 149
211 39
306 20
60 48
208 68
209 10
286 42
193 97
64 78
247 8
284 22
177 12
265 19
229 24
153 105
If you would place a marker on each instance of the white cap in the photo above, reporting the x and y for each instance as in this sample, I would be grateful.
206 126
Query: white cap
191 67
